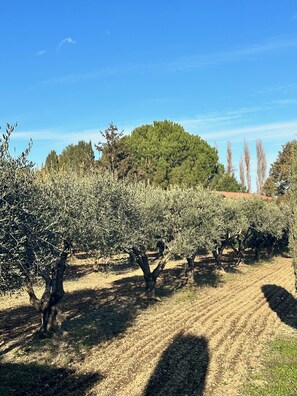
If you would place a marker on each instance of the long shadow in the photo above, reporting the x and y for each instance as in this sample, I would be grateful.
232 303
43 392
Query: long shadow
32 379
89 316
282 302
249 258
16 325
228 262
75 270
92 316
182 368
206 274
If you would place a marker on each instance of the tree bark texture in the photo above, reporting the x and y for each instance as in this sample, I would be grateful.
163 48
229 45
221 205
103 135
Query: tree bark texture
161 248
189 270
53 293
238 250
295 271
149 277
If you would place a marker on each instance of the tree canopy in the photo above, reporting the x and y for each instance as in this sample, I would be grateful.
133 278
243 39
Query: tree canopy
112 149
224 181
164 154
278 182
75 157
43 215
30 237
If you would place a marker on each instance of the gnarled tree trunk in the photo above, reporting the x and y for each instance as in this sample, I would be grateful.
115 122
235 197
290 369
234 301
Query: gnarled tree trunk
295 271
238 251
161 248
270 246
149 277
257 250
132 257
189 269
218 253
54 291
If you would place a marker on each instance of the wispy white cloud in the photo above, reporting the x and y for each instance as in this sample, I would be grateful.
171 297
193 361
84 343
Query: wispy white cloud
269 131
62 137
67 40
235 55
285 102
41 52
57 135
278 89
216 120
285 130
74 78
182 64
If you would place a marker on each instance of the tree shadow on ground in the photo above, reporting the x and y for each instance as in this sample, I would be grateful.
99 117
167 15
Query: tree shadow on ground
16 325
88 316
182 368
91 316
75 270
249 257
115 265
228 262
32 379
282 302
207 272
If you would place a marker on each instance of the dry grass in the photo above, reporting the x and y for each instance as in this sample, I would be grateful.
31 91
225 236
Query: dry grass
202 340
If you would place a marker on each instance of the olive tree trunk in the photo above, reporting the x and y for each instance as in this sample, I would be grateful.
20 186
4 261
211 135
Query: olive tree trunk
218 253
132 257
237 250
150 277
189 270
53 293
161 248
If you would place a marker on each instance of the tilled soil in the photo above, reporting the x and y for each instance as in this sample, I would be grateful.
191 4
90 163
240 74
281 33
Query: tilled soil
231 324
194 343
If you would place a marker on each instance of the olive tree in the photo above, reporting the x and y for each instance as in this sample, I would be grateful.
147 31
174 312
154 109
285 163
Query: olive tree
267 226
191 218
293 212
31 243
232 225
155 231
113 220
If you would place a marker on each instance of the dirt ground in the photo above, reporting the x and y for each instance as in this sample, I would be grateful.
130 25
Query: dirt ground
203 340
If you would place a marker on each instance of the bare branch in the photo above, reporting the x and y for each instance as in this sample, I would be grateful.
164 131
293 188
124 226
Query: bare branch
261 166
247 161
241 172
230 169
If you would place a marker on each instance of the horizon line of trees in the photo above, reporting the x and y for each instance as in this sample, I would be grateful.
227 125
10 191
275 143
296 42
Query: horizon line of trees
165 154
44 216
162 154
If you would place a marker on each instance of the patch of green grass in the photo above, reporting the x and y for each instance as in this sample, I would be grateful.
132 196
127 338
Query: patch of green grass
278 376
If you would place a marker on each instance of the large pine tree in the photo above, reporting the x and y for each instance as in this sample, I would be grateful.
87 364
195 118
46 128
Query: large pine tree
163 153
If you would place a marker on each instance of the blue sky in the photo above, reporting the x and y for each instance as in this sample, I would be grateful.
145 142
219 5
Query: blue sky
224 69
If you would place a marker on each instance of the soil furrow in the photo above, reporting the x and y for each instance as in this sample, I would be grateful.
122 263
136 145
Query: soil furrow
207 324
